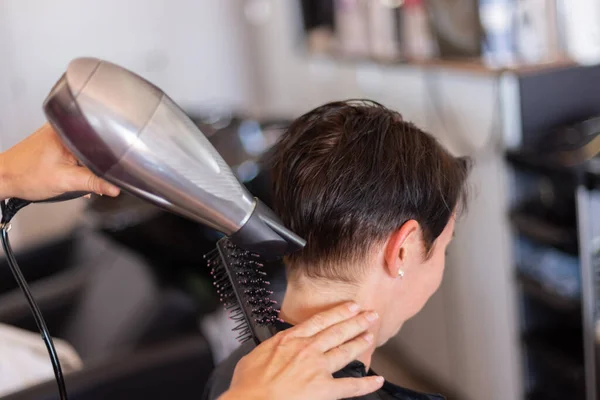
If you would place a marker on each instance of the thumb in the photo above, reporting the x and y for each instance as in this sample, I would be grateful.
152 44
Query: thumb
82 179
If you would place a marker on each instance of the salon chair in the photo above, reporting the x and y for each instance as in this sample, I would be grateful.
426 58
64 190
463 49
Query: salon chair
176 369
133 332
39 262
106 299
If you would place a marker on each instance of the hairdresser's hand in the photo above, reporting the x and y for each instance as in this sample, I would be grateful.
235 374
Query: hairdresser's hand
41 167
298 363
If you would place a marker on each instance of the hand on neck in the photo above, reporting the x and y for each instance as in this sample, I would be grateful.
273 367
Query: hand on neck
306 297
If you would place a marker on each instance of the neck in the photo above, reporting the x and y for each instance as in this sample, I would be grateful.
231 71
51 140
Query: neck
306 297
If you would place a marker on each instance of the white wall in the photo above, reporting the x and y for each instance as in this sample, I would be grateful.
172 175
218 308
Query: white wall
192 49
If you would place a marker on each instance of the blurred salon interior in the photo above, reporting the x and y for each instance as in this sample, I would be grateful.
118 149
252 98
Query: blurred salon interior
513 84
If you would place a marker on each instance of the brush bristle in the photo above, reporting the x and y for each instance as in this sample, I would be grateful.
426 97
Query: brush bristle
245 267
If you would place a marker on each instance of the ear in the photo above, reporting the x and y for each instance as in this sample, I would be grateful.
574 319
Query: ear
399 246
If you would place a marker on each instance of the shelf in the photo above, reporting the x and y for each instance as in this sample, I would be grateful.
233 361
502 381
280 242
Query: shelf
532 161
545 295
468 65
587 173
544 232
475 65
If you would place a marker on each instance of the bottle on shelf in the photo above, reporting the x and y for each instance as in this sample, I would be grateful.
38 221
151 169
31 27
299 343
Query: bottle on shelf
581 30
537 31
384 20
351 27
498 22
416 31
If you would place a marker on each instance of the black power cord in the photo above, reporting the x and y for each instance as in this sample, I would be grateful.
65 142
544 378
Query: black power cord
9 209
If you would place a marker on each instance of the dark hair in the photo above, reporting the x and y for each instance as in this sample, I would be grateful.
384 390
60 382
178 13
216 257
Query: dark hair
347 174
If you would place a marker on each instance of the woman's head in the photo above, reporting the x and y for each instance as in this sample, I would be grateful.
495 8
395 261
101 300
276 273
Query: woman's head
373 195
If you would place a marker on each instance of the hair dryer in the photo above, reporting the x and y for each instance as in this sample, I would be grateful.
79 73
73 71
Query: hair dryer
127 131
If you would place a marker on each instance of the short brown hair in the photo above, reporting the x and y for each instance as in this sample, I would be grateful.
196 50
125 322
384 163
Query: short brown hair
347 174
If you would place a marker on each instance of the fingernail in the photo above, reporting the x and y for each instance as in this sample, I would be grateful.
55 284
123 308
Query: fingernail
369 337
380 379
372 316
113 191
353 307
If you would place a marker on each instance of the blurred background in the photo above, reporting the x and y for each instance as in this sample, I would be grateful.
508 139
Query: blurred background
515 84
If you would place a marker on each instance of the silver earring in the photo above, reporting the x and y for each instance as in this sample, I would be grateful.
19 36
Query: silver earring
401 273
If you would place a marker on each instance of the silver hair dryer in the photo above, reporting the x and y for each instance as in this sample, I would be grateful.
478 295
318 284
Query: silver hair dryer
127 131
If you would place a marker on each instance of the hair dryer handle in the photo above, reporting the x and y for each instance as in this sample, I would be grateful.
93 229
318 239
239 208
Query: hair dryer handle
13 205
63 197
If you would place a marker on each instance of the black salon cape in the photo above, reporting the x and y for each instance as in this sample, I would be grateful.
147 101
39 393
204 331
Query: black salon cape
221 378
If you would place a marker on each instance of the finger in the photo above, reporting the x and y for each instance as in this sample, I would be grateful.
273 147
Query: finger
354 387
325 319
339 357
82 179
340 333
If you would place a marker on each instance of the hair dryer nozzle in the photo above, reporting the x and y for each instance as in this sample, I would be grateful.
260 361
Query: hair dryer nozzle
264 234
